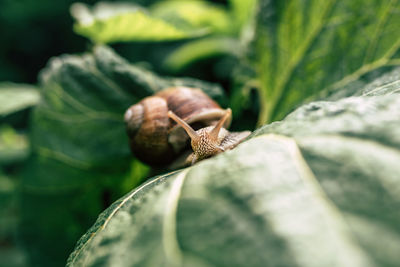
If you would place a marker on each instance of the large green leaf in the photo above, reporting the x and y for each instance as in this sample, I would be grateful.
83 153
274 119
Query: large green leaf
320 188
302 48
169 20
80 154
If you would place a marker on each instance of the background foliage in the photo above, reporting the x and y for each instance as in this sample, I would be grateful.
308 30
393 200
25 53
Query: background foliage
63 151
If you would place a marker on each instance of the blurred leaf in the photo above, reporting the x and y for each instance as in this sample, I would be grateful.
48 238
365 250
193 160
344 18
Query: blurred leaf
10 254
81 160
198 13
225 40
15 97
7 204
12 257
13 146
326 194
7 186
122 22
200 49
87 96
303 48
8 216
243 11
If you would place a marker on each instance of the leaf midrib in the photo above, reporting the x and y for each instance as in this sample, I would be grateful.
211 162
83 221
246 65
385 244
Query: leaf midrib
169 232
378 31
281 86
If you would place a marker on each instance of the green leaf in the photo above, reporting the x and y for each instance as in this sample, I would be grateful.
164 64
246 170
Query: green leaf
14 147
224 24
243 11
319 188
80 154
123 22
15 97
8 216
303 48
199 14
88 95
10 253
200 49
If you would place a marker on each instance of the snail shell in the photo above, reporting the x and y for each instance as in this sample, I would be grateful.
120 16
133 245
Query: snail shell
158 140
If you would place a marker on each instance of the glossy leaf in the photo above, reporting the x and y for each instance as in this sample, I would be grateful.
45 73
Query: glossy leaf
319 188
305 48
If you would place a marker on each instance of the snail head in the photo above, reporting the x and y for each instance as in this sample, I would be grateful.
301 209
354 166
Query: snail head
205 142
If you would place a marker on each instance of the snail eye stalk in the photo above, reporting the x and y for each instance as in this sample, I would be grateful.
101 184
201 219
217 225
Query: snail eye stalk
189 130
215 132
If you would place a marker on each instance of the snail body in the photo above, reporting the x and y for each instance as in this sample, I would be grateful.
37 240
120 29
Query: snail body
159 126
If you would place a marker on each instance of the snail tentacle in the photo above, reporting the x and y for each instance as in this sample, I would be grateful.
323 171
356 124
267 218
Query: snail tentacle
215 132
192 133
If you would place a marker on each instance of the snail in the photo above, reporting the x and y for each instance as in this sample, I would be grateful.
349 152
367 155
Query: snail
159 127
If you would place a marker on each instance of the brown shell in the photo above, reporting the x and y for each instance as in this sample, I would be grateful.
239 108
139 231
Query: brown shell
157 140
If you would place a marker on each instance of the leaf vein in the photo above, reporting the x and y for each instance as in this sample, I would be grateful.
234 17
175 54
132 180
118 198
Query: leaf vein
379 29
170 238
